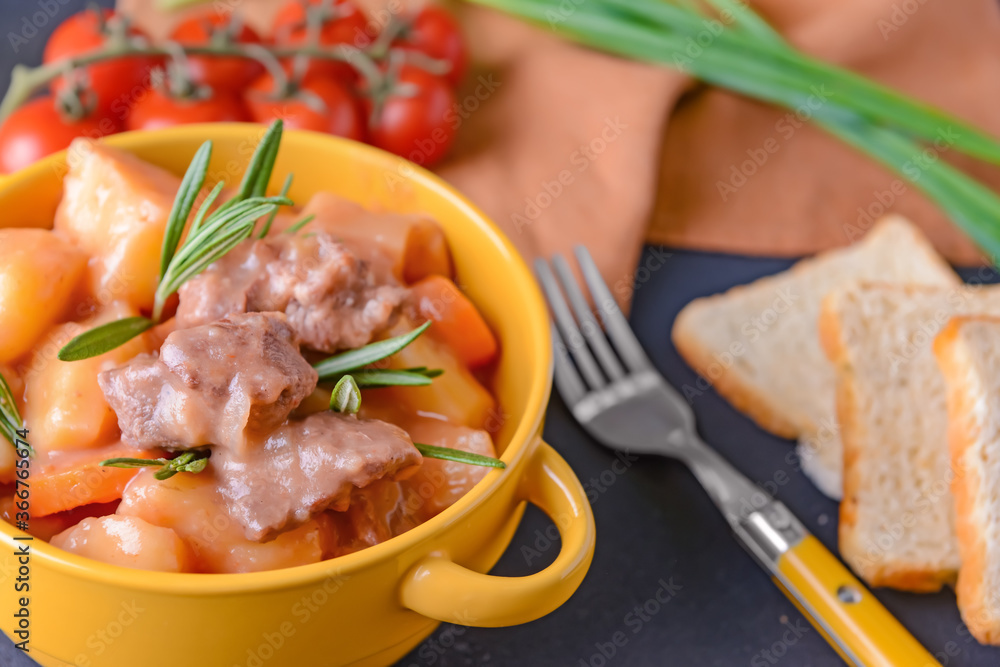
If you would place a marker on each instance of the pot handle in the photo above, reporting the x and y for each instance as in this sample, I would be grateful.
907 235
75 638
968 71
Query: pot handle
440 589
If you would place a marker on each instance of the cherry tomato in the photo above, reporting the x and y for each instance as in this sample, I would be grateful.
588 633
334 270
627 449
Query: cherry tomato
414 119
116 82
158 109
218 73
345 25
38 129
319 104
435 33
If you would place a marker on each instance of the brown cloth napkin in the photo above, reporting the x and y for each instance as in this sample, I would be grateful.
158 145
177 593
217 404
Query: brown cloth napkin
562 145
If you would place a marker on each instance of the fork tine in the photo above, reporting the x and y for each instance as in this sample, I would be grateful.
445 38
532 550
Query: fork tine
568 380
588 324
567 326
619 331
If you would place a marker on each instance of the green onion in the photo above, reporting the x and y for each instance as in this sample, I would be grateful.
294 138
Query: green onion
750 58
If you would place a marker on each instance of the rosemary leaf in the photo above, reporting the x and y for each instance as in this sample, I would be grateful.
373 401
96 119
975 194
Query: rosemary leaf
192 462
270 219
457 455
11 424
104 338
221 232
376 378
346 397
258 172
205 206
191 184
8 407
300 224
426 372
355 359
133 463
260 166
209 250
11 435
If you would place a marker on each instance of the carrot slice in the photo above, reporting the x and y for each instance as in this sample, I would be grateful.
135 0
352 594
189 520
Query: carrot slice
458 323
44 527
82 481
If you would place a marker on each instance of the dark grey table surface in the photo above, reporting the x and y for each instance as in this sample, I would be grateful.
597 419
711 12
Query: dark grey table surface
655 525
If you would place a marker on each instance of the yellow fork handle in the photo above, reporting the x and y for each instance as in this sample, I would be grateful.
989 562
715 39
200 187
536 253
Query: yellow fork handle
837 604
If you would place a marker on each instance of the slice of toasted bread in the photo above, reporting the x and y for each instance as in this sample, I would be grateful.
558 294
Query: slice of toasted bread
968 353
758 346
897 518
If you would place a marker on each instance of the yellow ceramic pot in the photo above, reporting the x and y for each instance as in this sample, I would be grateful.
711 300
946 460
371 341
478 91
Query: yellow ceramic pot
367 608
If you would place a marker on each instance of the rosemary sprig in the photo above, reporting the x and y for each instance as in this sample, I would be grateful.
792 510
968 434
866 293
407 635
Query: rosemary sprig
210 237
457 455
221 232
354 359
193 462
347 398
11 424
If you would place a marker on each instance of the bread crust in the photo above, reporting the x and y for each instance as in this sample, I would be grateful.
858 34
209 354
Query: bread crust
739 389
731 385
874 571
979 611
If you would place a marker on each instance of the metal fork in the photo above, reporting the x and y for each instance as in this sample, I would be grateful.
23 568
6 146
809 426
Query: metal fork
618 396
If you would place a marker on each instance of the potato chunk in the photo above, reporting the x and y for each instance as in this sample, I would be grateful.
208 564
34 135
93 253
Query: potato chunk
39 271
115 206
192 507
127 541
64 405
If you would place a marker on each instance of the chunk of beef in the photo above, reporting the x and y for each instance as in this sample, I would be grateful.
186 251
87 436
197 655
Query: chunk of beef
307 466
217 384
330 296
